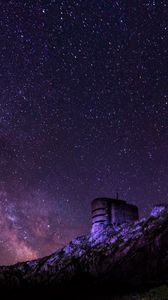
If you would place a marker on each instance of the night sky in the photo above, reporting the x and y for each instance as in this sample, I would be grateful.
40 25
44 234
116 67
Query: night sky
83 113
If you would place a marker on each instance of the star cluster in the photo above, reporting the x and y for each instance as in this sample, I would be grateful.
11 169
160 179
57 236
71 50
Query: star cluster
83 113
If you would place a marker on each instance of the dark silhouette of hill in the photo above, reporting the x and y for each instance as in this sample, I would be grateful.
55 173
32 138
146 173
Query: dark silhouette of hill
109 264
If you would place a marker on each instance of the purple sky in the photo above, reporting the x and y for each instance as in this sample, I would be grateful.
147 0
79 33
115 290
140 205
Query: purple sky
83 113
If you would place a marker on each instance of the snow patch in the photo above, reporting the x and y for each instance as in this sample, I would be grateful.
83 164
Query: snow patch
52 259
156 210
68 249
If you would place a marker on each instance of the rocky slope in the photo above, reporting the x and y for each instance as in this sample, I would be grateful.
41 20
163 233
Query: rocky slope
132 256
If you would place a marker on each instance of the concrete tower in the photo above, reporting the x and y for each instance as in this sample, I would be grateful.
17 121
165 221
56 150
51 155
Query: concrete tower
112 211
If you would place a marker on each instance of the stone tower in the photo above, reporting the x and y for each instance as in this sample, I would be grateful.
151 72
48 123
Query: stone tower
108 211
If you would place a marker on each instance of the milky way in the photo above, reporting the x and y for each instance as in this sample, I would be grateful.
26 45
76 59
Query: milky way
83 113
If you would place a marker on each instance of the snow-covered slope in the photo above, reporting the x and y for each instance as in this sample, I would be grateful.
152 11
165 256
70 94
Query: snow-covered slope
131 255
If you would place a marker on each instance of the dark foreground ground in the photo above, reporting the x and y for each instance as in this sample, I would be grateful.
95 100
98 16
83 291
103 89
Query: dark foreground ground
155 293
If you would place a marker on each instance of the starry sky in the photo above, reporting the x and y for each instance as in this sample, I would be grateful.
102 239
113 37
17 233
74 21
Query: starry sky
83 113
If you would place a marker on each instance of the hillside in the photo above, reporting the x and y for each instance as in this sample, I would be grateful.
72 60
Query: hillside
111 262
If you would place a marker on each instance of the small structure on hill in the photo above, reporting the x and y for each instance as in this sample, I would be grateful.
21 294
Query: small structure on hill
108 211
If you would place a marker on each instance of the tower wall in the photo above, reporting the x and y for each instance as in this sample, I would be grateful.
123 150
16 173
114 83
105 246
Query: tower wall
112 211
